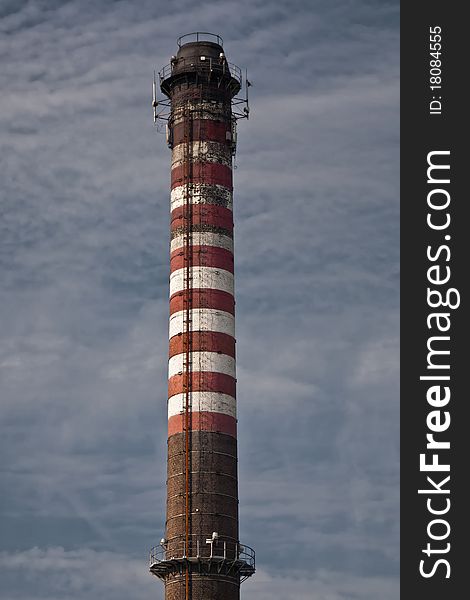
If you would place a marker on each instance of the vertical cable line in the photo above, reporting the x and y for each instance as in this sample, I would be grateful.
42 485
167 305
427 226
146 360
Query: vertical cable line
187 338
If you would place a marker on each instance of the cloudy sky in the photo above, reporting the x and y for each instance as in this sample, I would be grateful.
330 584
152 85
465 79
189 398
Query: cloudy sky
84 180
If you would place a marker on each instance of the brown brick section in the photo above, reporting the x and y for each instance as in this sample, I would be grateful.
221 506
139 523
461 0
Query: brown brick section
213 466
204 588
214 479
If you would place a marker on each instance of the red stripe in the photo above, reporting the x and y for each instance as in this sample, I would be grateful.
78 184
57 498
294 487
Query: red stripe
206 130
204 341
203 381
204 421
203 256
203 172
203 298
205 214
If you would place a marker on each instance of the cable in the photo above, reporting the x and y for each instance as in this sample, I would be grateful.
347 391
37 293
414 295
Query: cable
187 338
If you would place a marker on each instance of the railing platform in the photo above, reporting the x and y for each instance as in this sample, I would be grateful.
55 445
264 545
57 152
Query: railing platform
200 36
204 557
189 64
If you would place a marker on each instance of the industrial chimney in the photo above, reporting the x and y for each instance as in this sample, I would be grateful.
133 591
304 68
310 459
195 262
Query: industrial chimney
200 556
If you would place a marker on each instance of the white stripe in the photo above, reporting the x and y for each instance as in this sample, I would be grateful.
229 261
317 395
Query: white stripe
203 319
203 361
203 238
202 110
201 194
203 402
202 277
202 151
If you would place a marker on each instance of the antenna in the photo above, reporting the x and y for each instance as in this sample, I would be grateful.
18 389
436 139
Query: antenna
246 109
161 108
154 98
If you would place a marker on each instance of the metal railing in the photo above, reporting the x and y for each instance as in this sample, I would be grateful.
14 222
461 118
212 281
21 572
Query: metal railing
203 549
194 63
200 36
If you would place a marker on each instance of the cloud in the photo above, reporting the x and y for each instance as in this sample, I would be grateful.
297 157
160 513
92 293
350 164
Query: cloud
79 574
322 584
84 270
75 574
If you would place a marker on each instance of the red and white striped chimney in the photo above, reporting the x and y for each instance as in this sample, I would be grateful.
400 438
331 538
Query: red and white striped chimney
200 557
